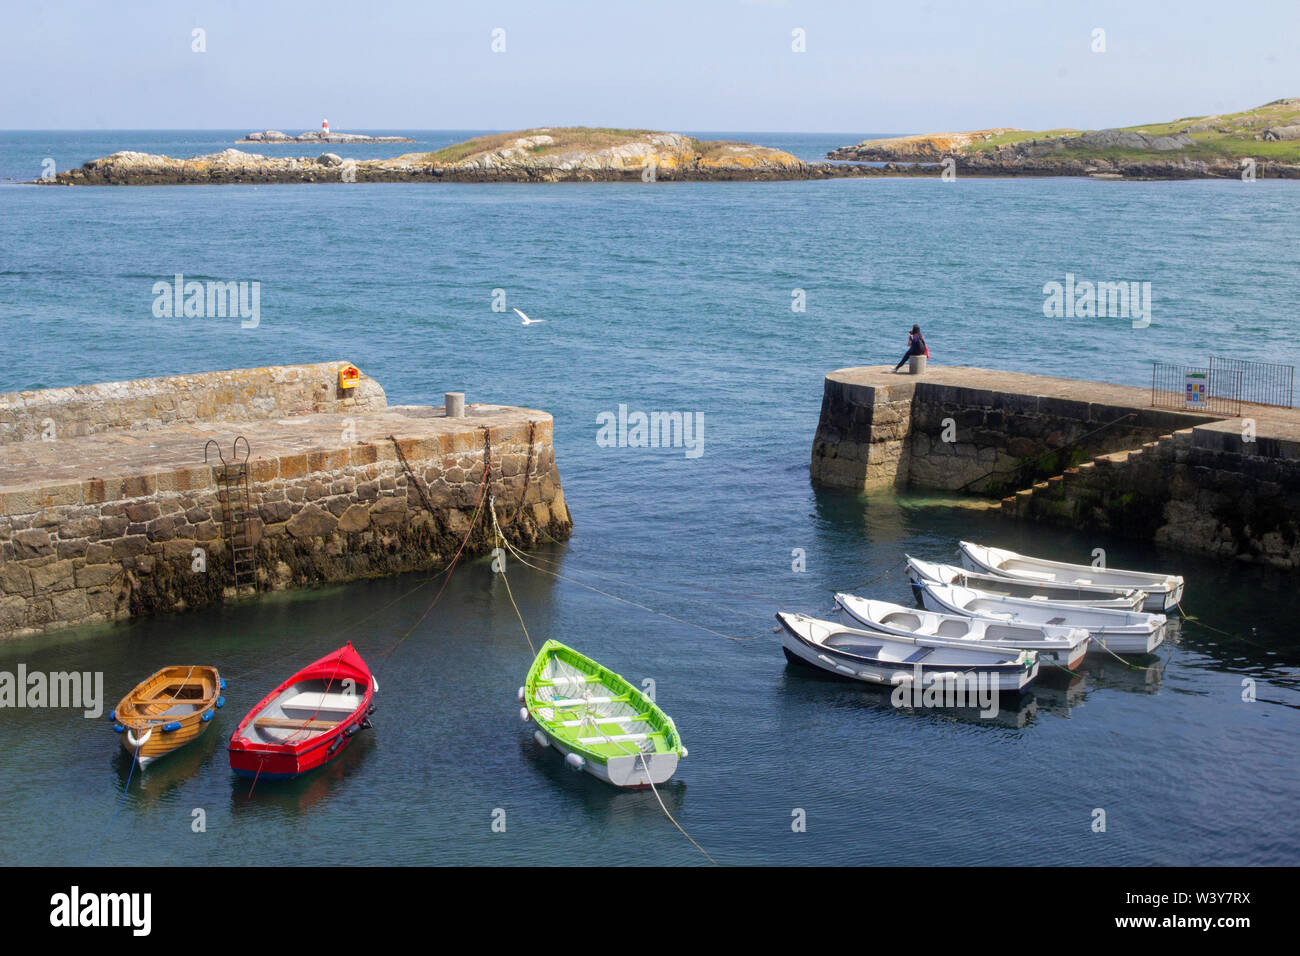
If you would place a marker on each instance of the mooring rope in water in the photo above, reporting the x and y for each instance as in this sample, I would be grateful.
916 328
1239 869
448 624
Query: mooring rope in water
638 584
671 818
483 495
1136 667
589 721
500 538
862 584
125 790
520 558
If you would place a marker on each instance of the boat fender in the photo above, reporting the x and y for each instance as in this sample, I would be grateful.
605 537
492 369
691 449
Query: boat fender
112 716
118 728
221 702
206 717
223 683
575 762
523 714
173 726
685 752
370 710
374 682
541 738
338 742
130 738
520 695
365 723
352 731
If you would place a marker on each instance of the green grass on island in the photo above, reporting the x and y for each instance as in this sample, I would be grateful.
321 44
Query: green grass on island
565 139
1223 136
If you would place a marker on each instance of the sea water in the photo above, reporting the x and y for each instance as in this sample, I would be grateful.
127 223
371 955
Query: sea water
663 298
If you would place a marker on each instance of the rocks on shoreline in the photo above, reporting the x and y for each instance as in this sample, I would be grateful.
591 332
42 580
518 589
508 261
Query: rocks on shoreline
319 136
1208 147
543 155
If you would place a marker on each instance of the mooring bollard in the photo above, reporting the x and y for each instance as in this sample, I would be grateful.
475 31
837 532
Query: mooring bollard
916 364
455 402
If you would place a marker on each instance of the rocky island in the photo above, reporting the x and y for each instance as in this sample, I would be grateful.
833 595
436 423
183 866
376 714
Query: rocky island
571 154
319 136
1265 139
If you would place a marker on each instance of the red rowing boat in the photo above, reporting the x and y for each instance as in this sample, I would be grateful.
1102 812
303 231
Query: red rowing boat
308 720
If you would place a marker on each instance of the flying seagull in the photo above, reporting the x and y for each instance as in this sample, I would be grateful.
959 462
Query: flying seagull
527 320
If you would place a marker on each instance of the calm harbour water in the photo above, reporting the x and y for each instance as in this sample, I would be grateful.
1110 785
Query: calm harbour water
670 297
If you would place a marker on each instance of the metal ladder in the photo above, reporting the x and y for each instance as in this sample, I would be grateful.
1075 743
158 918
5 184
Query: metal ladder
236 510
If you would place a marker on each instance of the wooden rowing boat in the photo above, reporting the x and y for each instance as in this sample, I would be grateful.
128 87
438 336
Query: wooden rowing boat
168 710
1164 591
1122 599
597 720
308 720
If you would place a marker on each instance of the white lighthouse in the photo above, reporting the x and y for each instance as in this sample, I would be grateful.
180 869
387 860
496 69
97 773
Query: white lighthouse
325 127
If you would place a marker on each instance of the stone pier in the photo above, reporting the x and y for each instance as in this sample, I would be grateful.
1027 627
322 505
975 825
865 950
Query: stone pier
108 509
1081 454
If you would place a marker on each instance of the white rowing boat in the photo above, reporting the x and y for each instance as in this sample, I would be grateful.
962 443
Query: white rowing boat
1164 591
890 659
1124 632
1063 646
1122 599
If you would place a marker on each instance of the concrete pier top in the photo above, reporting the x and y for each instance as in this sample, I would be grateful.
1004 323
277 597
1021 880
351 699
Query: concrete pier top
33 464
1272 421
119 440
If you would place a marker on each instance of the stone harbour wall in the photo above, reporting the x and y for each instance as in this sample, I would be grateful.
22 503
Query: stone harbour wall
878 431
324 509
1078 454
1200 489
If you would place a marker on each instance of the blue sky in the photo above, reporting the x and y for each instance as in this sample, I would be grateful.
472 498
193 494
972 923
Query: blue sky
914 65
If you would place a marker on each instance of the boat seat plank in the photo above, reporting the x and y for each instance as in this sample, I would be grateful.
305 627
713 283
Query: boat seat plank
603 720
562 702
315 700
283 723
919 654
614 738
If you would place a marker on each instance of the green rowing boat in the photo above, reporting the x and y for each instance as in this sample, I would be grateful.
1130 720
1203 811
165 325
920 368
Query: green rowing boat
601 723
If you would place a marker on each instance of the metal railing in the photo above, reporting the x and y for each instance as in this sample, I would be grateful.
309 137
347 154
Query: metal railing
1215 391
1260 383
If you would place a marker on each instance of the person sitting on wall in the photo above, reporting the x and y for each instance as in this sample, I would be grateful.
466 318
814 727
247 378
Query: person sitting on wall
915 346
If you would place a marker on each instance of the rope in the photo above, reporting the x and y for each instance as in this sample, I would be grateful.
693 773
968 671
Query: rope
1135 667
671 819
520 558
509 593
589 721
261 762
528 468
697 587
126 789
862 584
428 505
478 510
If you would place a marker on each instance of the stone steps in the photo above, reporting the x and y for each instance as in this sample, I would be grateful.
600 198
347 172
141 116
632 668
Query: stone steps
1056 489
